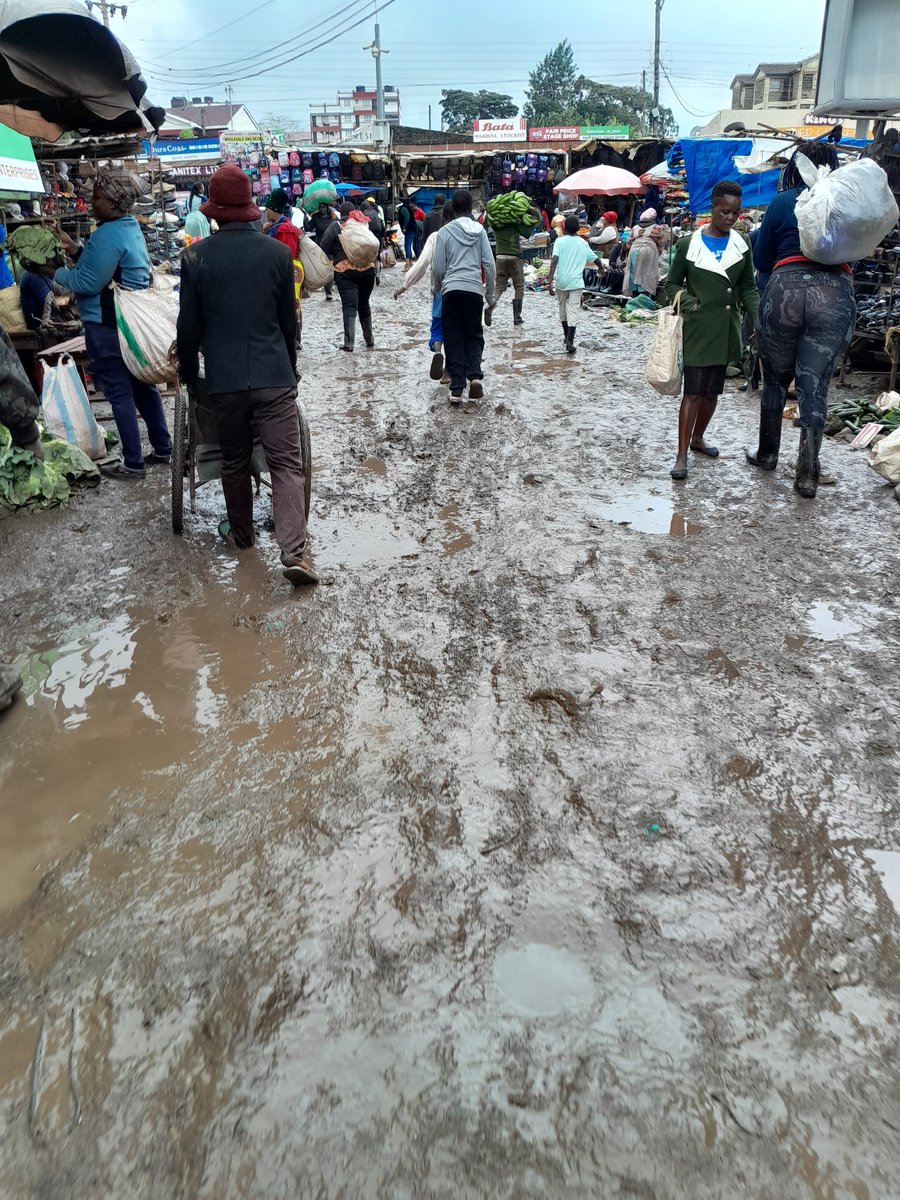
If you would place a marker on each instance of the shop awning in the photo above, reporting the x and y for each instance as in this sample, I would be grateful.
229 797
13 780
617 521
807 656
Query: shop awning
60 70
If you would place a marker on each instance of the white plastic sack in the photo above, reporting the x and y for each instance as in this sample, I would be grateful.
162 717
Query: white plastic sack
317 269
67 409
665 362
845 213
147 320
884 457
359 243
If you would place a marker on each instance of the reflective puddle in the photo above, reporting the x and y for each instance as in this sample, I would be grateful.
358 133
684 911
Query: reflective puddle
646 513
541 980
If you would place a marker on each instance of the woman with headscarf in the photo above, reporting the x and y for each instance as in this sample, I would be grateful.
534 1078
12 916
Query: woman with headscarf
278 221
647 220
116 251
805 319
354 284
604 234
644 262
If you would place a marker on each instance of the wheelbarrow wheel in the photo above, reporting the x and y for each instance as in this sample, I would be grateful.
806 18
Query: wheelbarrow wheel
179 450
306 455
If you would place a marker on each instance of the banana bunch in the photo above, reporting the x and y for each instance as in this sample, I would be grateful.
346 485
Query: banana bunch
512 208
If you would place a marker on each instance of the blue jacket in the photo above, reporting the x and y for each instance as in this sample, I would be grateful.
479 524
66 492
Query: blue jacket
778 236
116 250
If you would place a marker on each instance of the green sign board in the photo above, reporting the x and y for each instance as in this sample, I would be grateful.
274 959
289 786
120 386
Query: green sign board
606 133
18 170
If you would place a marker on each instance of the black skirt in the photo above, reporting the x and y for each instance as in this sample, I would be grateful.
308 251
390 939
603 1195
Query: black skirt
704 381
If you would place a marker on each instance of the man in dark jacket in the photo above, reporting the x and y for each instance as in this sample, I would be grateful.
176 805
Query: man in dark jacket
435 218
238 308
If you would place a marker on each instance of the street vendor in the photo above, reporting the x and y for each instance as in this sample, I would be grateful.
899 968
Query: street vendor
713 271
116 252
604 234
510 264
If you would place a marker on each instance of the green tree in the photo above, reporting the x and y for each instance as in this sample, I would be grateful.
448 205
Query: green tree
552 94
459 109
604 104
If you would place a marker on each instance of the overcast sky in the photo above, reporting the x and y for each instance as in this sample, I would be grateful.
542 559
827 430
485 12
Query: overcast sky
196 48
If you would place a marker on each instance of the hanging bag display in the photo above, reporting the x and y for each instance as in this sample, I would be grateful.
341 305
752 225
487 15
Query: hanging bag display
147 322
67 409
665 362
844 214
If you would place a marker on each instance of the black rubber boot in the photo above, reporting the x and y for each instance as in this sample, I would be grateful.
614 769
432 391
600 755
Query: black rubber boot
489 314
517 313
368 335
570 340
349 332
807 478
766 456
565 332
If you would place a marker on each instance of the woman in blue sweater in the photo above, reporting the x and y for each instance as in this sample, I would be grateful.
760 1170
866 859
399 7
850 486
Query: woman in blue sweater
805 320
116 251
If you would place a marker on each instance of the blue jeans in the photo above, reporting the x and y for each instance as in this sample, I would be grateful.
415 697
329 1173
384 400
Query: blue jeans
409 241
127 396
437 325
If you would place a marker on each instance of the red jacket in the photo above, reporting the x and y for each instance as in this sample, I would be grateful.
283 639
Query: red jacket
285 231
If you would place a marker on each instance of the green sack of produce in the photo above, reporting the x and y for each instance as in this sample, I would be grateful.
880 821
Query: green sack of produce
322 191
512 208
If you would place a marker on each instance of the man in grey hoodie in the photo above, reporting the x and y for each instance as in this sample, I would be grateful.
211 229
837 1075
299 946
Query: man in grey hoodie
464 273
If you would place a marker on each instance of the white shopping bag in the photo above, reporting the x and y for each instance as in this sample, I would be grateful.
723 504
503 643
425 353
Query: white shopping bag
844 214
665 362
317 269
67 409
359 243
147 322
884 457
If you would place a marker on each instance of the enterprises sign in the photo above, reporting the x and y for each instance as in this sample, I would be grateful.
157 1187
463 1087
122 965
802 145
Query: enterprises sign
513 130
18 170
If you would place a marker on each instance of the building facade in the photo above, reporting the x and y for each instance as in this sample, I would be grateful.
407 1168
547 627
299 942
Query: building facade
789 85
338 122
206 117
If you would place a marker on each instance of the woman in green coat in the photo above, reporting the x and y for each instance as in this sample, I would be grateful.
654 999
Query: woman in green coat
713 267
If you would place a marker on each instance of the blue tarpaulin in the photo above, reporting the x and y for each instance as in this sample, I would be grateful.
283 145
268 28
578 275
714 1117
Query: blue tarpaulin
709 160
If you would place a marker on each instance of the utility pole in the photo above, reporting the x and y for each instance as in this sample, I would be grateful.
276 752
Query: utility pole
429 116
658 6
104 12
376 52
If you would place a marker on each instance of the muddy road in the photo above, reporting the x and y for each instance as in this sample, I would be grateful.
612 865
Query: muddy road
548 849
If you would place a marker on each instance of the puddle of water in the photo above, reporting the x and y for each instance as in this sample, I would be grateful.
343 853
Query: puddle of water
729 667
887 864
353 541
457 538
647 514
542 980
124 703
831 623
795 641
376 465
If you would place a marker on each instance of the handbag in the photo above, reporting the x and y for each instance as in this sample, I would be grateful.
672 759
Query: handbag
665 362
67 409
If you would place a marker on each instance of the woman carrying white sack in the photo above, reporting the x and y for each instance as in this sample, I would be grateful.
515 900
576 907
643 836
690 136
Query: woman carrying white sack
805 321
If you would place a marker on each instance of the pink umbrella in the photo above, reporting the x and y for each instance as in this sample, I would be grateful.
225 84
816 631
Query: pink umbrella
601 181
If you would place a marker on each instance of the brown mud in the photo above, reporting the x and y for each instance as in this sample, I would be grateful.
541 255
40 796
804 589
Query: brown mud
548 849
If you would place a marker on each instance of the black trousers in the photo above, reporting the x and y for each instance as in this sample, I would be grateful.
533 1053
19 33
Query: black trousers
270 414
463 337
355 289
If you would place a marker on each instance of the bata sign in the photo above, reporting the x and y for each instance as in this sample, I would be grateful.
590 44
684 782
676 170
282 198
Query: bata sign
514 130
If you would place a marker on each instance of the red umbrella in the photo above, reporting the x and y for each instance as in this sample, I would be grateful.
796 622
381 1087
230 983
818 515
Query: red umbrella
601 181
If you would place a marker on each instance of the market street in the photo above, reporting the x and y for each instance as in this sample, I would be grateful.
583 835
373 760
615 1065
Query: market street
547 848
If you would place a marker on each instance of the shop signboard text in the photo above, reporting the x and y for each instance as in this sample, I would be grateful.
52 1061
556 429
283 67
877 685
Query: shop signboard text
513 130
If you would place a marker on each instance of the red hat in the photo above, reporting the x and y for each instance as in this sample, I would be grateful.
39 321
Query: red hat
230 197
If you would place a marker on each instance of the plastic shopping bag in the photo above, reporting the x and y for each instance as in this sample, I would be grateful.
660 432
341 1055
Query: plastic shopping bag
67 409
884 457
665 362
359 243
317 268
845 213
147 321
